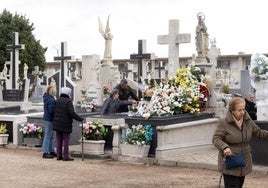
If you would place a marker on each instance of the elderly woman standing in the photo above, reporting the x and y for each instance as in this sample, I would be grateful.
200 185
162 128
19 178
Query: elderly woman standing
233 136
63 120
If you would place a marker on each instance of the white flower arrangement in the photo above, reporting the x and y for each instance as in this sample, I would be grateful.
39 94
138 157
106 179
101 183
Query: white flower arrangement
179 95
259 67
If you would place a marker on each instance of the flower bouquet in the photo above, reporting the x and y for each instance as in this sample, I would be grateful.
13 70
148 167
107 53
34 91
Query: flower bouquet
106 90
94 130
137 135
3 129
88 105
31 131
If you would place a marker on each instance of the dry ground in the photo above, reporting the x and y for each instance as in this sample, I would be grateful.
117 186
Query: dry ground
22 168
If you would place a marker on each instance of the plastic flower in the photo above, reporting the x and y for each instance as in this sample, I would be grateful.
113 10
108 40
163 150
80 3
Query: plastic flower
94 130
137 135
31 130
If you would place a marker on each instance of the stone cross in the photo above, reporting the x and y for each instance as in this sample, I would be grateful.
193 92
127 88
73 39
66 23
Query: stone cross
140 56
173 39
63 67
160 68
125 71
14 58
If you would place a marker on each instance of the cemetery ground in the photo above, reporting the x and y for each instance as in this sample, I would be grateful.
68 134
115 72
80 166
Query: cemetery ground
24 167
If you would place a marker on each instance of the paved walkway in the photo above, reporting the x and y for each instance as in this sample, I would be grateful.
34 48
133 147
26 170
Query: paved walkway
205 160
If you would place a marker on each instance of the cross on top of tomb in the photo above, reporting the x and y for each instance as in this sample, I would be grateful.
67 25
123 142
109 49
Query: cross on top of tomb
63 67
140 56
173 39
159 68
14 58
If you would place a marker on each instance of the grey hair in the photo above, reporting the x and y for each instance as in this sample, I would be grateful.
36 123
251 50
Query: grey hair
248 95
113 92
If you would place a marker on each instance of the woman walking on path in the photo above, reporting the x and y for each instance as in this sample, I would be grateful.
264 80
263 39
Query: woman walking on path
49 109
232 137
64 115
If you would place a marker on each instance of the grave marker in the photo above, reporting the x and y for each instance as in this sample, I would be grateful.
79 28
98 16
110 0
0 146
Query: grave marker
173 39
140 56
14 58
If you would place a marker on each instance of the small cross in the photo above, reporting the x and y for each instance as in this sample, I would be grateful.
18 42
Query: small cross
63 58
160 67
14 56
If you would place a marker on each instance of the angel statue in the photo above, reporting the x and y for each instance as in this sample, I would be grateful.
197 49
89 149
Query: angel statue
108 39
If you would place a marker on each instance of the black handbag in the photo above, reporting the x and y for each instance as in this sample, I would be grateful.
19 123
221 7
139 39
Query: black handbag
235 161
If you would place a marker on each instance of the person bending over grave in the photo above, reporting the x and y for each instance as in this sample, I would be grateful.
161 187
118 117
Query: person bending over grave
125 91
112 104
62 124
49 109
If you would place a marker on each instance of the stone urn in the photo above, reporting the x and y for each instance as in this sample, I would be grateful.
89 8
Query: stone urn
93 146
134 150
3 139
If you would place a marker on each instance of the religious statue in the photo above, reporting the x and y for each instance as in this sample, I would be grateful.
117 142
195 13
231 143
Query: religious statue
25 69
201 39
4 71
108 39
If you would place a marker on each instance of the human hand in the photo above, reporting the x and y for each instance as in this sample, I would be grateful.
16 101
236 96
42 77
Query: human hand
227 152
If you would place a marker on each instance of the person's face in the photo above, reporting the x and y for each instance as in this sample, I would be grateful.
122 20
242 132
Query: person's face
124 86
239 111
250 98
116 96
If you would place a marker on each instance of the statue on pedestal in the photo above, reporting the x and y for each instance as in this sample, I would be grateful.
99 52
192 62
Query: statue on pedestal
201 39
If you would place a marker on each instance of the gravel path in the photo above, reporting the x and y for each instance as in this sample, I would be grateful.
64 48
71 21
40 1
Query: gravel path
24 168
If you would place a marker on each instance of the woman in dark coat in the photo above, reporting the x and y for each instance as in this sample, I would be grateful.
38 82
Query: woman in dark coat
251 106
112 104
63 119
233 136
125 91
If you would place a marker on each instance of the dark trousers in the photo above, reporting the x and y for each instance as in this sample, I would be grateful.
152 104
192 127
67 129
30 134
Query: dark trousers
62 140
233 181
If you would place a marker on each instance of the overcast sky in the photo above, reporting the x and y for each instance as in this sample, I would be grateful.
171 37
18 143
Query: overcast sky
237 25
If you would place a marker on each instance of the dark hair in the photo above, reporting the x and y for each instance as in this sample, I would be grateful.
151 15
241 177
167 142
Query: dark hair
113 92
123 81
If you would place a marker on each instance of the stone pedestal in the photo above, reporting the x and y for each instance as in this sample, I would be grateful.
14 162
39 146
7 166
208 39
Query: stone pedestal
37 142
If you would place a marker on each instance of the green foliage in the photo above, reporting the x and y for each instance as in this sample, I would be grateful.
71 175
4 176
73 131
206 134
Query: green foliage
33 54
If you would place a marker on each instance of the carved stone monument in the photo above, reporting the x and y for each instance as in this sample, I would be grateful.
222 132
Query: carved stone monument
173 39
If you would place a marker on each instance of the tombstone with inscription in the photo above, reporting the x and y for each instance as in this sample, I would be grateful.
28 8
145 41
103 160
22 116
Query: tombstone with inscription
14 88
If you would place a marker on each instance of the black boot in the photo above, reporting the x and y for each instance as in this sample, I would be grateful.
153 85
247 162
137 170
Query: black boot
53 154
47 156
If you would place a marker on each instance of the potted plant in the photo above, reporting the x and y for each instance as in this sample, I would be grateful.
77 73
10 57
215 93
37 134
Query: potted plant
94 134
32 134
135 141
3 134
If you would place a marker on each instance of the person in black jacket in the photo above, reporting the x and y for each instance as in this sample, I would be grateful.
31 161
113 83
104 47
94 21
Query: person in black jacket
112 104
62 124
251 106
125 91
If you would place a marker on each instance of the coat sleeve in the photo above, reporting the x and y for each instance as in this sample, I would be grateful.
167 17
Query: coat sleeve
133 95
218 137
259 133
105 107
72 113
